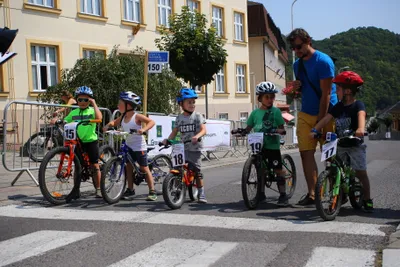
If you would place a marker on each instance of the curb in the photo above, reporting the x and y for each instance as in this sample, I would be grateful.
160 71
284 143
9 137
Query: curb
391 254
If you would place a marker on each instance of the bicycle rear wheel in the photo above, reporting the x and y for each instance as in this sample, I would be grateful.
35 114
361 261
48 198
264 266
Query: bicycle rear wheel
160 166
62 186
113 180
251 186
193 191
174 191
39 144
290 178
324 195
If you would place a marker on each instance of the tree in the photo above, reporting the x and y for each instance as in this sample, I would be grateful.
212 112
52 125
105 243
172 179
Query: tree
116 73
373 126
196 53
387 121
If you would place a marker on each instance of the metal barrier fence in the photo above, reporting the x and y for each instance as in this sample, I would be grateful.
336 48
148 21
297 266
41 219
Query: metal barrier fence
31 135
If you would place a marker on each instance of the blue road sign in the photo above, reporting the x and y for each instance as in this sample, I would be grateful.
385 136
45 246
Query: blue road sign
158 57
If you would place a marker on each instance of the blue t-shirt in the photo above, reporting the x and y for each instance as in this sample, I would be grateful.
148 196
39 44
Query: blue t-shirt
319 66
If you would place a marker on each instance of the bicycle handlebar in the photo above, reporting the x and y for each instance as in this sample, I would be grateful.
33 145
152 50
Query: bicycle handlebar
171 142
243 132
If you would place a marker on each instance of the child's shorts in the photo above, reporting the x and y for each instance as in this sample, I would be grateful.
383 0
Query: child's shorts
357 155
194 159
139 156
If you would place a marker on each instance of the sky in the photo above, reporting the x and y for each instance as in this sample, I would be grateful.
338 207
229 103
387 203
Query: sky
323 18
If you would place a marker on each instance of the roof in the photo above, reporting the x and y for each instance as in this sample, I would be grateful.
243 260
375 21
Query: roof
393 109
260 24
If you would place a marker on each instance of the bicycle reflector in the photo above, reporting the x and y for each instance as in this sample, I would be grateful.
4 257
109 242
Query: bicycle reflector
7 36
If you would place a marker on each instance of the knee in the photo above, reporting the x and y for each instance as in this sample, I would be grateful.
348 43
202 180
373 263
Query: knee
199 175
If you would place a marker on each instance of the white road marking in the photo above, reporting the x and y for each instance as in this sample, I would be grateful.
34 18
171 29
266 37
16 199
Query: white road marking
173 252
341 257
37 243
266 225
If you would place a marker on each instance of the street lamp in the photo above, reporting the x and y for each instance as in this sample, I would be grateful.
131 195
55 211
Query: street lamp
293 58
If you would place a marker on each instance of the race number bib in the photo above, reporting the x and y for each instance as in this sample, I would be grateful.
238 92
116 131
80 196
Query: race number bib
178 155
329 150
255 142
70 131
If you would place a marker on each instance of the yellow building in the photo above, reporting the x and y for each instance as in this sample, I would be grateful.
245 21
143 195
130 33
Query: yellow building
53 34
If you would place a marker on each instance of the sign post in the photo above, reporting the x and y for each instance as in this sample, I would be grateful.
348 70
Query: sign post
153 63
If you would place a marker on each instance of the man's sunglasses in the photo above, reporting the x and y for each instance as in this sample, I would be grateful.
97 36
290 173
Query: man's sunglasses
297 47
83 99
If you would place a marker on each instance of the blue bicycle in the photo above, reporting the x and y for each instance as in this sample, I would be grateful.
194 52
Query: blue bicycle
113 177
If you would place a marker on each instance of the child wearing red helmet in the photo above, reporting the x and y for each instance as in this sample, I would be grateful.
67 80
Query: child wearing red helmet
350 114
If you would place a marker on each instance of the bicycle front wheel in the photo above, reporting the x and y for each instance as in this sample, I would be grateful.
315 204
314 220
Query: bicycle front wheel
59 176
160 166
251 186
290 177
327 204
174 191
113 180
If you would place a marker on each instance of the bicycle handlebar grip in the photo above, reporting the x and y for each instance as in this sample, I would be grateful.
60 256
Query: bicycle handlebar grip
95 121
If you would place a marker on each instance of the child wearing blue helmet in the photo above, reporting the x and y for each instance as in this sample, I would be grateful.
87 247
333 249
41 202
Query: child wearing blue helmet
191 125
137 146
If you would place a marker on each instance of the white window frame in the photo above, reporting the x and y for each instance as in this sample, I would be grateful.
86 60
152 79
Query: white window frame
220 77
164 10
218 20
193 5
239 26
241 78
88 53
96 6
45 3
245 117
133 15
198 89
223 115
35 61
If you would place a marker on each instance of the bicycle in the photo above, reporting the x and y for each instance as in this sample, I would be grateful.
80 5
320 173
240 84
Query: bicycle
117 177
70 153
182 176
257 163
338 178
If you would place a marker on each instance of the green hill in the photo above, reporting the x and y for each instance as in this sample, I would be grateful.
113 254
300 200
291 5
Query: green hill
373 53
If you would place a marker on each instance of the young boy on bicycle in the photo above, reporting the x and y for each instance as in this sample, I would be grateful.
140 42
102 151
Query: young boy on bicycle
265 119
191 125
350 114
87 133
128 101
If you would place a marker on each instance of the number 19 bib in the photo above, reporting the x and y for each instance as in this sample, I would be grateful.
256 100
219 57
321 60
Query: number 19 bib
255 141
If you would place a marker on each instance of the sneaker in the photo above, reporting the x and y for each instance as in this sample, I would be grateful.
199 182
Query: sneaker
262 197
152 196
202 198
368 205
306 200
283 200
345 199
128 194
98 194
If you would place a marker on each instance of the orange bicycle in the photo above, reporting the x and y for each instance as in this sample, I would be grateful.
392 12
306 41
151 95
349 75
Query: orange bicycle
180 178
71 166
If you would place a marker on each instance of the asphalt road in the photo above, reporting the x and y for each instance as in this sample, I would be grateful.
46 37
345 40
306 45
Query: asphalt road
223 232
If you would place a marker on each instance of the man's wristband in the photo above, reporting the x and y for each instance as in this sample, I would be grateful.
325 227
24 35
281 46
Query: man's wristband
313 130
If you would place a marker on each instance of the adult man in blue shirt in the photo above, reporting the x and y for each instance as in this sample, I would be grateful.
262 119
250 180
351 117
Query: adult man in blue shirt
314 72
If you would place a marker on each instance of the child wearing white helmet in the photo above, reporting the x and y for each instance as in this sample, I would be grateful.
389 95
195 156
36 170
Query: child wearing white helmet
137 146
267 119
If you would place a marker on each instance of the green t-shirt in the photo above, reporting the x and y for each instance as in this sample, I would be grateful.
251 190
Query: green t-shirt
264 121
86 133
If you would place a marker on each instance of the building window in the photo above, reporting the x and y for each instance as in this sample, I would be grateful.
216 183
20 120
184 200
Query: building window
243 116
193 5
44 64
199 89
238 23
45 3
223 116
240 78
91 7
132 10
220 81
164 11
218 20
87 53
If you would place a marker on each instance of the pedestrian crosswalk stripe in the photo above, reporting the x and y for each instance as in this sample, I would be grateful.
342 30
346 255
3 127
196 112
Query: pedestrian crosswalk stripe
341 257
36 243
178 252
238 223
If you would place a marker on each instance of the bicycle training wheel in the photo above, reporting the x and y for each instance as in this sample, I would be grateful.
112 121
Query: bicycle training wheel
56 185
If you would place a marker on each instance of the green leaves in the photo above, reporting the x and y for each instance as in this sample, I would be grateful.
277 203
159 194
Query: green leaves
196 52
109 76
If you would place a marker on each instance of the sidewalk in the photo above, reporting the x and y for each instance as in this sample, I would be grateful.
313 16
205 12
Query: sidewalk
25 186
